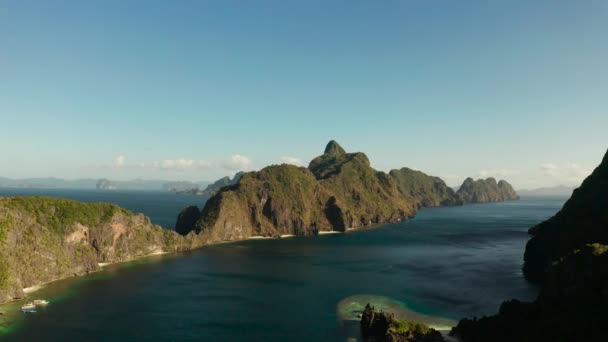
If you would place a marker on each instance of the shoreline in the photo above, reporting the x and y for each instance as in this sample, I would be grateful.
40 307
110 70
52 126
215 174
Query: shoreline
31 289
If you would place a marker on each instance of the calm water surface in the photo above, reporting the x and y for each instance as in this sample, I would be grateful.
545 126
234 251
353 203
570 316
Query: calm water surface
449 262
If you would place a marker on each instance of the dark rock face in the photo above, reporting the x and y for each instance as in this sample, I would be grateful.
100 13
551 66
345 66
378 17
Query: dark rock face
568 257
427 190
384 327
582 220
486 190
186 220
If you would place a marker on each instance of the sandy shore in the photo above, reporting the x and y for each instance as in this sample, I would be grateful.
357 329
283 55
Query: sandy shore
287 236
31 289
329 232
259 237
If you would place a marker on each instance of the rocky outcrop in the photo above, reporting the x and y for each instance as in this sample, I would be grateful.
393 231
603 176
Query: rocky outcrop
187 219
337 191
568 257
213 188
378 326
427 191
485 191
44 239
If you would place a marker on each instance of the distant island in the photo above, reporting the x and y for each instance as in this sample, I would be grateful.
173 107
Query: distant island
485 191
567 257
560 190
212 188
92 183
338 191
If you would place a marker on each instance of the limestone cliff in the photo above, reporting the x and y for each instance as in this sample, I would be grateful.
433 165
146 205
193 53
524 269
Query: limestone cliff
337 191
43 239
486 190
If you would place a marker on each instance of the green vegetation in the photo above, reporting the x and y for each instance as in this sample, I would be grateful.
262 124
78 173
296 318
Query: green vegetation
404 326
427 191
486 190
57 213
6 224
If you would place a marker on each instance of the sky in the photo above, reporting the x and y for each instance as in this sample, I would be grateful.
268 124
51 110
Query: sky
195 90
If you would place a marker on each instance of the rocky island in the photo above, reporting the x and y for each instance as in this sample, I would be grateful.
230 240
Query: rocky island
336 192
378 326
485 191
568 257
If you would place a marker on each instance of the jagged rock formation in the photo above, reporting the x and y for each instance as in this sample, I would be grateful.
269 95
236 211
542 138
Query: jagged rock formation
213 188
43 239
339 190
427 191
486 190
384 327
568 257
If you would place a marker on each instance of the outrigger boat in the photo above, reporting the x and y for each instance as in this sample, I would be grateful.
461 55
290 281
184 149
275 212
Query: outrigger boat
28 308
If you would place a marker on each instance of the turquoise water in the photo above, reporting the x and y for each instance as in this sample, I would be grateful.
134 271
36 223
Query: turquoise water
449 262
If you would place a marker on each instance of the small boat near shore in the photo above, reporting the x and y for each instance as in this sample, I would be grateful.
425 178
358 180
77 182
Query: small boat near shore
40 302
28 306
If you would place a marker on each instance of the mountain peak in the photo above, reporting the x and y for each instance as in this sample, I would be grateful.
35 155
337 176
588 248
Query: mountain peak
334 148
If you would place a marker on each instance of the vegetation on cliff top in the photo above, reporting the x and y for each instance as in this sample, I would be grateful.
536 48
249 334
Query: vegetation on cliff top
427 191
486 190
339 190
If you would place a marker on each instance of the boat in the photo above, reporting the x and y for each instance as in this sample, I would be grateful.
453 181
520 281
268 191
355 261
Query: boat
40 302
28 310
28 306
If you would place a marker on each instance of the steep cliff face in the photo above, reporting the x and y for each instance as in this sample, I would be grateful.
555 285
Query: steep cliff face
338 191
363 195
582 220
568 257
427 191
486 190
43 239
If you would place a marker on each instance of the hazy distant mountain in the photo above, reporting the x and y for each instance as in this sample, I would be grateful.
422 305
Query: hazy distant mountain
560 190
212 188
87 183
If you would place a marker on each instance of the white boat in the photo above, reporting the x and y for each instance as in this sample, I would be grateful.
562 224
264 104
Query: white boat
28 306
40 302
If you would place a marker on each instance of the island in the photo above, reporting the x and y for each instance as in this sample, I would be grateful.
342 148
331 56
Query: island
338 191
485 191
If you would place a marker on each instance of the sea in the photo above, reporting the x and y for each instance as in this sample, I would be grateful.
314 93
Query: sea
447 263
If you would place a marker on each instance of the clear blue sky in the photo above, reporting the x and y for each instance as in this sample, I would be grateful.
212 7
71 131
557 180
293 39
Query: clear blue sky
197 89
